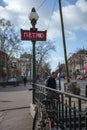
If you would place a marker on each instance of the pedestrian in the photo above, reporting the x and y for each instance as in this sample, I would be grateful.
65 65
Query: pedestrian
25 81
51 83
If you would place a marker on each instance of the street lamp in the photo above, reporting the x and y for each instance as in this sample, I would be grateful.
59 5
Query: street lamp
33 17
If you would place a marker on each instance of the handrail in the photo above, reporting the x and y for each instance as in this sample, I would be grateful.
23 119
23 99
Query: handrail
62 92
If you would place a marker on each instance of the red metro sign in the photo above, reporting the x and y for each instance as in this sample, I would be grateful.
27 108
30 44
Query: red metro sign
33 35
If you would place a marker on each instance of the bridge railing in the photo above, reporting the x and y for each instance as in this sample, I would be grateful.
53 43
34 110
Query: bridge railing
72 109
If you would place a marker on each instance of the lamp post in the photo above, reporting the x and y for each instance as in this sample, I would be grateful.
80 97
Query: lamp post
64 43
33 35
33 17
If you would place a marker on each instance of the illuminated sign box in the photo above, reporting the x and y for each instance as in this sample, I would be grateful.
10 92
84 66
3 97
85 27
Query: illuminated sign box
33 35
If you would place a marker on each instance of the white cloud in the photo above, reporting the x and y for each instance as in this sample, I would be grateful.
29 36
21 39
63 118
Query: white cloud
74 16
82 4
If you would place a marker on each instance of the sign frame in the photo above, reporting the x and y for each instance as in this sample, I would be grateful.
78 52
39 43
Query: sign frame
33 35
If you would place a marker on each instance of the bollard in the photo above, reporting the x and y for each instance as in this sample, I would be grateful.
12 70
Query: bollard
86 90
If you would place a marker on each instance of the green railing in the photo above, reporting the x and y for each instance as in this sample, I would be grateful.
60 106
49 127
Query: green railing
72 109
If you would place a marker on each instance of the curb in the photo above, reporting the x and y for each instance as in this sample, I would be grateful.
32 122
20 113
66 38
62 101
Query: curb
2 114
32 110
15 108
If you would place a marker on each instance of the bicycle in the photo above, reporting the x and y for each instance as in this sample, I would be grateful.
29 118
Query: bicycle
46 116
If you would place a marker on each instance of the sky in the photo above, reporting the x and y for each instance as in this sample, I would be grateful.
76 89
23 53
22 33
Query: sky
74 18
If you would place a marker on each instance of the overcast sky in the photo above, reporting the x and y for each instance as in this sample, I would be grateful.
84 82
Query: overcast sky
74 17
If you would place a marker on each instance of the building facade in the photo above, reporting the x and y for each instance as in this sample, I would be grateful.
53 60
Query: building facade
77 63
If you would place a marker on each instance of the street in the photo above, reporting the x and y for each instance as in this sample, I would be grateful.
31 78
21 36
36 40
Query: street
15 108
81 83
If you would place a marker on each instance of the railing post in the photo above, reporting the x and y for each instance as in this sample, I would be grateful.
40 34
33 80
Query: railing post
62 107
86 90
74 118
86 120
70 113
79 118
66 111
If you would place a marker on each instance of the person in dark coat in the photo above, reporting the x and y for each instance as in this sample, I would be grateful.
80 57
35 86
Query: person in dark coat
51 82
25 81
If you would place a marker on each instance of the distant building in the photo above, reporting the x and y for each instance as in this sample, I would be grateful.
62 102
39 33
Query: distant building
25 64
77 62
14 67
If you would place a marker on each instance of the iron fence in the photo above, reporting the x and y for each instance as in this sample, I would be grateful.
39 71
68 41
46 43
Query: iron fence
72 109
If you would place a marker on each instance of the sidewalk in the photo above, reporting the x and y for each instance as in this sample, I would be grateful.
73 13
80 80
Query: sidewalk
15 108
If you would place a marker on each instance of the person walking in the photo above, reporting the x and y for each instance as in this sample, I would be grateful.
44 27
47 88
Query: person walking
51 83
25 81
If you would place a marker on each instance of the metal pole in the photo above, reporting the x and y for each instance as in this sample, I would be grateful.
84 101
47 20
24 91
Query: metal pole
33 23
34 60
59 77
86 90
64 43
34 70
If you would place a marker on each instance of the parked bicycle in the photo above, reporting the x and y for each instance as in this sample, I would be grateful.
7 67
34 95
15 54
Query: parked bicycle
70 113
46 115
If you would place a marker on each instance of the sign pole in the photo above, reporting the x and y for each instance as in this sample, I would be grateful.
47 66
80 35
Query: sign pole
34 70
33 35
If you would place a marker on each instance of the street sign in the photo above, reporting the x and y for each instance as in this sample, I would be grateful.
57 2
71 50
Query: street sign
33 35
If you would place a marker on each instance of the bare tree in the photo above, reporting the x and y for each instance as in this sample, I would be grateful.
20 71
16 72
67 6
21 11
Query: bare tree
43 50
9 38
